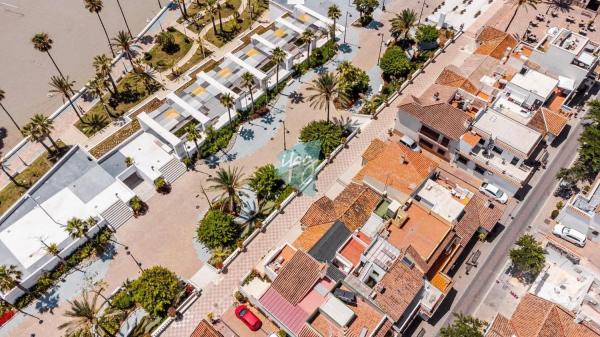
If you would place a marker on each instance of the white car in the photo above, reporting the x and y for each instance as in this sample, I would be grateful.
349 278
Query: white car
569 234
494 192
406 140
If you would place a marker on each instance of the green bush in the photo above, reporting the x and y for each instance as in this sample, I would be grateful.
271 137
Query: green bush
265 181
554 214
123 300
317 58
427 34
283 195
216 140
394 63
217 229
327 133
353 80
155 290
529 256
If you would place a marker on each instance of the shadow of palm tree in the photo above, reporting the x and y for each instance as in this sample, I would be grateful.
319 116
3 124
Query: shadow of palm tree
48 301
345 48
247 134
268 119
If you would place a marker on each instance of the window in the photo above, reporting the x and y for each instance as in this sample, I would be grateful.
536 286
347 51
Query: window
425 143
441 151
514 161
479 169
445 141
481 141
497 150
461 159
430 133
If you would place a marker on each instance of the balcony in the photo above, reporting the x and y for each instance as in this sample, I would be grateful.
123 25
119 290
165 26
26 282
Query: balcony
495 163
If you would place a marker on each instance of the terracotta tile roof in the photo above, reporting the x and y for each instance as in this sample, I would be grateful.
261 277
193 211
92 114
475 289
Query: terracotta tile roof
443 117
352 206
374 149
537 317
451 76
307 331
311 235
494 42
547 121
384 329
297 277
401 284
477 214
398 167
471 138
204 329
320 212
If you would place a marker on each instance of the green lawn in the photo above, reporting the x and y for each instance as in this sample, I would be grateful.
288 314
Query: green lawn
195 59
162 60
29 176
226 10
131 93
233 27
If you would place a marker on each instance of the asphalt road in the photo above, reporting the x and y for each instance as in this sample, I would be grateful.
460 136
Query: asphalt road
527 211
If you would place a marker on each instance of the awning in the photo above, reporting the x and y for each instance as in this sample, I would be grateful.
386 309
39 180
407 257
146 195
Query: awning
566 83
337 311
586 58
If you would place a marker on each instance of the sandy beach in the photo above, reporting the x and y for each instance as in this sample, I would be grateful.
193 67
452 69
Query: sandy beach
78 37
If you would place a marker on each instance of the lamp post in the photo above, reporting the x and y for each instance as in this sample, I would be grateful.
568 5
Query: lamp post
421 14
346 25
284 132
380 47
383 5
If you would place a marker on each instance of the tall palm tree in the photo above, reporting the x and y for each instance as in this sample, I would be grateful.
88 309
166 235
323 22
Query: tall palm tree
64 86
193 135
124 42
2 96
182 8
201 46
307 37
220 18
401 24
521 3
4 166
325 88
10 277
95 6
147 75
277 56
43 43
96 90
248 82
212 9
227 101
124 18
39 128
85 317
228 181
103 66
334 13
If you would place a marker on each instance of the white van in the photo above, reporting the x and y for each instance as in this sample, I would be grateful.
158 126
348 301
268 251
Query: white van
569 234
406 140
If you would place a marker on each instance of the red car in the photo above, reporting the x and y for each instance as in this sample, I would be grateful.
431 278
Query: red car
245 315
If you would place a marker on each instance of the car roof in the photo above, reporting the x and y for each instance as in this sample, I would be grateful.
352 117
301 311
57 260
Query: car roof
492 188
407 139
576 234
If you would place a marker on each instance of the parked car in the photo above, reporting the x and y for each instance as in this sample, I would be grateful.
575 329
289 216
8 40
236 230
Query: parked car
494 192
569 234
248 317
406 140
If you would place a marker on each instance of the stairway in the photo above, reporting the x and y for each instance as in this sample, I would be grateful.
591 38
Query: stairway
117 214
172 170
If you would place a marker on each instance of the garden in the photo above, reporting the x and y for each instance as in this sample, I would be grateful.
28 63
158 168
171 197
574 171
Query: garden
212 12
240 22
171 46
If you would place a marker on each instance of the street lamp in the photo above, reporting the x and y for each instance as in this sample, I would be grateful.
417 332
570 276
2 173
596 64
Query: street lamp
421 14
346 25
383 5
284 132
380 46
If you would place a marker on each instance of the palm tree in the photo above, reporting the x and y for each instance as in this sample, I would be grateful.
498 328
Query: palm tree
78 228
307 36
227 101
62 85
39 128
334 13
85 315
201 46
220 18
96 90
277 56
212 9
95 6
147 76
326 88
93 123
124 42
248 82
124 18
401 24
518 4
228 181
10 277
193 135
181 4
43 43
4 166
103 66
2 96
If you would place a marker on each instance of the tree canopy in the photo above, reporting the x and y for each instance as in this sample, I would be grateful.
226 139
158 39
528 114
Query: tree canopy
217 229
464 326
365 7
529 256
155 290
265 181
394 63
327 133
353 80
427 34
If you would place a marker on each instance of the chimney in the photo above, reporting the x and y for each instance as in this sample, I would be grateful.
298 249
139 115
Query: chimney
403 159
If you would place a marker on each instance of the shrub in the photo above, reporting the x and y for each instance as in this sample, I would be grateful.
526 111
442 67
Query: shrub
328 134
216 140
123 300
394 63
217 229
155 290
554 214
138 206
147 56
240 297
265 181
559 205
427 34
129 161
353 80
162 186
281 333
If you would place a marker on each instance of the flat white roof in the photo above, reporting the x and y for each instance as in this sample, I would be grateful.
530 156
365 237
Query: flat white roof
441 201
337 311
535 82
148 153
507 130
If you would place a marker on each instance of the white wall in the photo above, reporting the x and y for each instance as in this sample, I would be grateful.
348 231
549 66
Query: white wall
558 62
